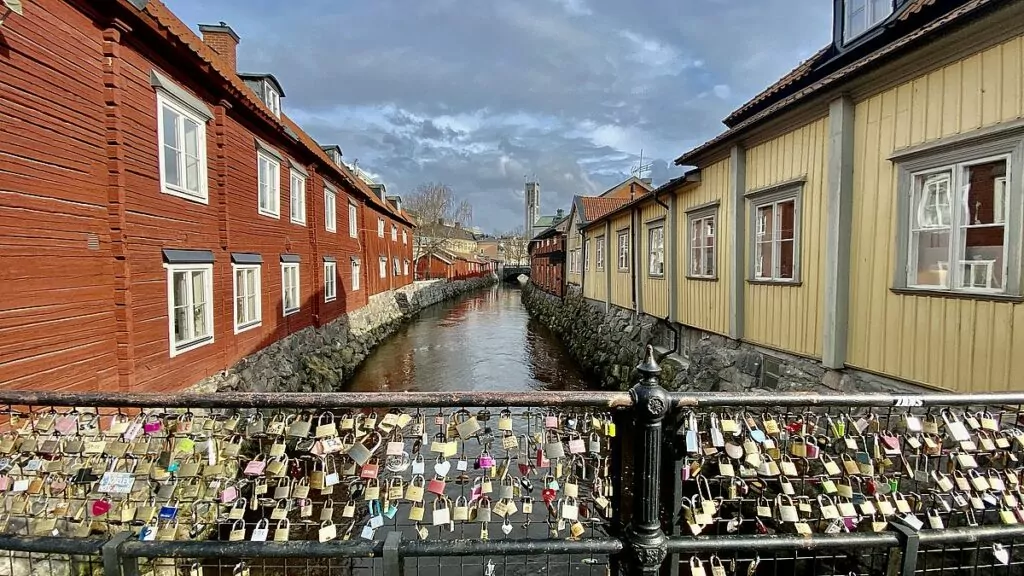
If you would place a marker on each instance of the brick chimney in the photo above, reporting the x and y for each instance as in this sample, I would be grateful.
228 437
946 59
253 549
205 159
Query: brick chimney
223 40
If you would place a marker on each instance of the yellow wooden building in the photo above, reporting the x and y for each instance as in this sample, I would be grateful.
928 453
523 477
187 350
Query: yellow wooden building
866 211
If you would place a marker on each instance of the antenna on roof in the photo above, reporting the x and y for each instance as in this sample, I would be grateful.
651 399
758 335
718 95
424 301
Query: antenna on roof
641 170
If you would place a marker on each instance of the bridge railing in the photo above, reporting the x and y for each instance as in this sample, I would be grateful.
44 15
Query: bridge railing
487 483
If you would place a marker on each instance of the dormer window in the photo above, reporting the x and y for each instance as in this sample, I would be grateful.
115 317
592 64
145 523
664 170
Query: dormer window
859 16
272 98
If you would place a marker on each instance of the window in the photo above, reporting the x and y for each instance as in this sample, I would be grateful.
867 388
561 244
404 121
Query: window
355 274
297 203
405 268
270 185
353 221
586 255
394 233
405 237
862 15
958 215
330 281
190 300
599 255
248 309
182 136
396 267
383 267
273 99
330 211
776 239
624 250
290 287
380 227
656 249
703 226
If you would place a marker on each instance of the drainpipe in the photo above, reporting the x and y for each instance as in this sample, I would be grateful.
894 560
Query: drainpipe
633 256
583 263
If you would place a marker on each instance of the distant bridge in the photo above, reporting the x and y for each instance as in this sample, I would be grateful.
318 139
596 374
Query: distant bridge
510 273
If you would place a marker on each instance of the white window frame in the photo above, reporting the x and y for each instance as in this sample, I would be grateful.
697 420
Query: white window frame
405 237
956 153
176 348
697 247
380 227
405 267
201 196
599 254
330 281
258 283
956 189
330 210
586 255
273 100
871 19
285 267
774 196
623 249
355 267
353 220
651 228
274 186
382 264
394 233
297 197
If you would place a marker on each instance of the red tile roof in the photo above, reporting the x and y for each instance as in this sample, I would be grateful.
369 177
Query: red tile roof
594 208
165 19
795 75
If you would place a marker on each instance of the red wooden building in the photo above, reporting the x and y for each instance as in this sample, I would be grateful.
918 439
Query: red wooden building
547 259
160 217
453 266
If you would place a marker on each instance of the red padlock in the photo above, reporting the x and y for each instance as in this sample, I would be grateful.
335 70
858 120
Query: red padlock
548 495
542 460
369 471
436 486
100 507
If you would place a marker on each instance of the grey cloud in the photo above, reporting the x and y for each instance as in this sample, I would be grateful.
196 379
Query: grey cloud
480 94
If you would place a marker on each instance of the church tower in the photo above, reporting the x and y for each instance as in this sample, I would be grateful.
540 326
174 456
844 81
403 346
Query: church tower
532 207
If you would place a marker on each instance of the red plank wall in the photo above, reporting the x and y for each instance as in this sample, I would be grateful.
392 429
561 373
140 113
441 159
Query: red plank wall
83 222
57 326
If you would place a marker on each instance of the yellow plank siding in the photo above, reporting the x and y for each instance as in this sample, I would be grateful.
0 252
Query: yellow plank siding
573 242
654 298
595 281
790 317
622 279
705 303
958 344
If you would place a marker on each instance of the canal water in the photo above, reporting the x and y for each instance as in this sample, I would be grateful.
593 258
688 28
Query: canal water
482 341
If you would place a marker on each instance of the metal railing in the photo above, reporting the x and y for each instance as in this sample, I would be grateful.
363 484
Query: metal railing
660 475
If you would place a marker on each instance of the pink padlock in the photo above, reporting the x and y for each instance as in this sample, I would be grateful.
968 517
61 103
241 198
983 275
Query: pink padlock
152 425
486 460
811 446
436 486
100 507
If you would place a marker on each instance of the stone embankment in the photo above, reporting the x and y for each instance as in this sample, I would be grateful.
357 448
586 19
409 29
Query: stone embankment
321 359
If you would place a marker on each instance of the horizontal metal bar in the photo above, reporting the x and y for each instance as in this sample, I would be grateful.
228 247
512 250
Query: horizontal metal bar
421 548
50 545
702 544
319 400
713 399
967 535
248 549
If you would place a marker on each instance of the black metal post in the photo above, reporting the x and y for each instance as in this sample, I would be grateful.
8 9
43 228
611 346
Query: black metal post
647 541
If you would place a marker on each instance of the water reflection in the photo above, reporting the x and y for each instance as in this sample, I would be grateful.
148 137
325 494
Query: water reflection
485 341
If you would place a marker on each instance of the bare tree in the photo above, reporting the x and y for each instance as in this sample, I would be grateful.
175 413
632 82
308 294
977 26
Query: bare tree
516 247
438 216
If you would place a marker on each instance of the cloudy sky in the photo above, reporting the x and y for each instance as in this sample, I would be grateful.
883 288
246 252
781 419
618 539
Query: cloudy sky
480 94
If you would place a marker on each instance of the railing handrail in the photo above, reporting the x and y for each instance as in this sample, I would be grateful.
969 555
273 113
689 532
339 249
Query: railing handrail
685 400
605 400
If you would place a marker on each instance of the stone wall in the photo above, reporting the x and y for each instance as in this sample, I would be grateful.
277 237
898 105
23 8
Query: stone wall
608 343
321 359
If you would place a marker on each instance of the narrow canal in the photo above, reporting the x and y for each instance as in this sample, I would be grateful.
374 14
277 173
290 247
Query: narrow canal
481 341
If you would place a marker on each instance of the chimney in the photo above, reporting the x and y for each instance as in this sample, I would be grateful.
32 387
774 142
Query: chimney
559 213
223 40
647 180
